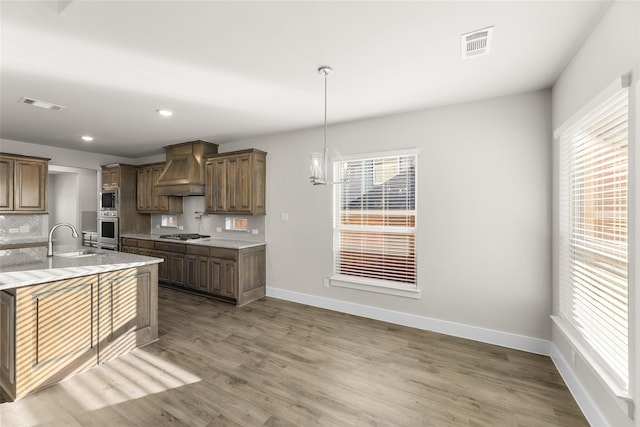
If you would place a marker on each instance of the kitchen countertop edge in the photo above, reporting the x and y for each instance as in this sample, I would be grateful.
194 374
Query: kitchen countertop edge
212 242
37 273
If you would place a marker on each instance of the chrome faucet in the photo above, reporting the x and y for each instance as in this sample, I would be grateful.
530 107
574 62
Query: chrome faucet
74 233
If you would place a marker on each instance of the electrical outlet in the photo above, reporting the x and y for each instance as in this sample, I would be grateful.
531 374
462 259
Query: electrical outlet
181 227
218 229
325 282
255 231
157 225
284 216
25 228
14 230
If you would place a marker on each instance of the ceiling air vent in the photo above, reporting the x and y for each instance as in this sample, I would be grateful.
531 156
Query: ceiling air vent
41 104
476 43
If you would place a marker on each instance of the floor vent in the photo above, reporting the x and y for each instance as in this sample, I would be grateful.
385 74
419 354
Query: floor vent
476 43
41 104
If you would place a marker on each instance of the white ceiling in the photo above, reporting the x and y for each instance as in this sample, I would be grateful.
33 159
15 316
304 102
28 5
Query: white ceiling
232 70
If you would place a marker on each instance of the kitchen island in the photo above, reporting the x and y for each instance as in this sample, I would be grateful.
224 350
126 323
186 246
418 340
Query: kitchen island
64 314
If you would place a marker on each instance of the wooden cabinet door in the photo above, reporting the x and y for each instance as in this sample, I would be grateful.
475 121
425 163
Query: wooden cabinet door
239 183
163 267
143 189
6 184
7 341
56 331
223 277
197 276
110 177
30 191
176 269
127 310
158 203
216 185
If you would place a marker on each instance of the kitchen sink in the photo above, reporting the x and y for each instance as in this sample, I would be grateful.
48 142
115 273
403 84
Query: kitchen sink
78 254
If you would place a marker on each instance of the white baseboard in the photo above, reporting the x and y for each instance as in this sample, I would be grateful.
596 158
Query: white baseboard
504 339
580 394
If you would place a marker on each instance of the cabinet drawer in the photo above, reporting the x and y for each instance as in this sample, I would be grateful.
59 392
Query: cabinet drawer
147 244
126 241
171 247
224 253
198 250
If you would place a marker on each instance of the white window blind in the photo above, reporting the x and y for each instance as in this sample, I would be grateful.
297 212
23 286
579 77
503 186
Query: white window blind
593 247
375 219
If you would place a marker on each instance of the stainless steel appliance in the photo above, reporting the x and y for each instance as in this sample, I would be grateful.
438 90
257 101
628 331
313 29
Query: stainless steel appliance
109 202
108 235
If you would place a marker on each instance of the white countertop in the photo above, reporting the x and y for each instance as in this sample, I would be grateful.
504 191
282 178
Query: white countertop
31 270
208 241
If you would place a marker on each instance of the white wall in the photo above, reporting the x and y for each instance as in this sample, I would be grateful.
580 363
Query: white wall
484 230
63 206
611 50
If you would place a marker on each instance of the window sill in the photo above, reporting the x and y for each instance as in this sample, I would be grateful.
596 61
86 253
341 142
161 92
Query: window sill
607 380
372 285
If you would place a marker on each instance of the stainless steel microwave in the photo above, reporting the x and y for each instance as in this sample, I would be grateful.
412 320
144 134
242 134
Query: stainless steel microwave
109 201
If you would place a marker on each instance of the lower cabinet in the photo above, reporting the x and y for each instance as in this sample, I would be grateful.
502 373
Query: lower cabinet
128 311
234 275
54 330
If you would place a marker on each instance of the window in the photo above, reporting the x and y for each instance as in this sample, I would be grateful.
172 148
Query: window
375 220
593 246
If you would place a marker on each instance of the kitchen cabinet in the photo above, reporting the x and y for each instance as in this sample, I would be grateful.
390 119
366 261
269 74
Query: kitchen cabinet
53 330
235 183
172 268
110 177
197 263
233 275
7 337
147 201
23 184
127 311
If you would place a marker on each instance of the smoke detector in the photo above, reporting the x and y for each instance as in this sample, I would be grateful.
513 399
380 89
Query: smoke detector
476 43
41 104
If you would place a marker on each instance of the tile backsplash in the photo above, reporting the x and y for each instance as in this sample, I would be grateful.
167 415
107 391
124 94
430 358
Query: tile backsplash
22 227
188 222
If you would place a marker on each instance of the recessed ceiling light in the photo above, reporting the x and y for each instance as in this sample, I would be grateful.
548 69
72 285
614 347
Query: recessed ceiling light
165 113
87 138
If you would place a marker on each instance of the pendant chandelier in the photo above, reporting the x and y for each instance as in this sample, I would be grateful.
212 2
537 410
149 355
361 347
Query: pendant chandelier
319 160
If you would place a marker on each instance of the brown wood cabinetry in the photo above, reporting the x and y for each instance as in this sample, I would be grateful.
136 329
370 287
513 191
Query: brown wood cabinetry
7 337
53 330
234 275
123 177
127 311
235 183
147 200
23 184
110 177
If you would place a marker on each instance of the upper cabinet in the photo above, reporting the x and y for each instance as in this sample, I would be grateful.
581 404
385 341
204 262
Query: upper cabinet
23 184
147 200
110 177
235 183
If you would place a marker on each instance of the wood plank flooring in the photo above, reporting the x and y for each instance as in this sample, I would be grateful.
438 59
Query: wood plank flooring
276 363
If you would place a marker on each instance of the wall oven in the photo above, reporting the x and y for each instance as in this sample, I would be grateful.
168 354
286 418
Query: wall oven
108 233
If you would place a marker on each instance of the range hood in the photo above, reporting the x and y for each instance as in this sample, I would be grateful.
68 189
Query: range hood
183 174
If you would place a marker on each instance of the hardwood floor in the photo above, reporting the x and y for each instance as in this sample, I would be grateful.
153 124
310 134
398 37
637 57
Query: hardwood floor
276 363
